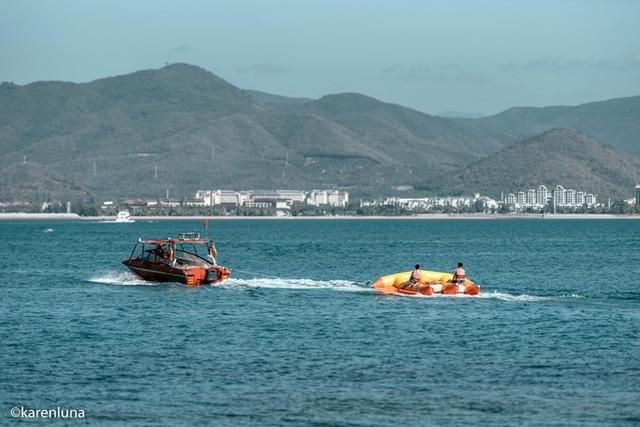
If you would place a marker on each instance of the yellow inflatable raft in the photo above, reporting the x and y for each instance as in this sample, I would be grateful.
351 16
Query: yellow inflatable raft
434 282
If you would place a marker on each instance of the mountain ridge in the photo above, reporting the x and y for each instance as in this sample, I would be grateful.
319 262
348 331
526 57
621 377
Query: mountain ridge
558 156
108 137
616 121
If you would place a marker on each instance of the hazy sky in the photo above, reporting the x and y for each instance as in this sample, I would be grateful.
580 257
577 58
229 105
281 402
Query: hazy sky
473 56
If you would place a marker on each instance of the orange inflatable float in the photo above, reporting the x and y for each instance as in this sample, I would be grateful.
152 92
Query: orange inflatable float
433 282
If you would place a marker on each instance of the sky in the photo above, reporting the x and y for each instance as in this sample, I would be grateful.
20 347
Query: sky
434 56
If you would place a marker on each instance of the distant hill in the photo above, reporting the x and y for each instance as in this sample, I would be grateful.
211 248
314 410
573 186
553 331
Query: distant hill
28 182
182 128
558 156
461 114
268 98
616 121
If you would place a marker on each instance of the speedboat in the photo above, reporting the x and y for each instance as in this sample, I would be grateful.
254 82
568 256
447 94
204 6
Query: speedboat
177 260
123 216
433 282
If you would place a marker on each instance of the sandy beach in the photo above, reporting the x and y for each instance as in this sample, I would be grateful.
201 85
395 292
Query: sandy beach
39 216
76 217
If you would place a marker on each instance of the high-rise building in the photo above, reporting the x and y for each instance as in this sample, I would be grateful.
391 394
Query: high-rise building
558 196
570 197
531 197
638 196
522 198
511 199
543 195
580 198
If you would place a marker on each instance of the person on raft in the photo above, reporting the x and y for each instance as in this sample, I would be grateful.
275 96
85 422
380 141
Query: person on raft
413 284
459 275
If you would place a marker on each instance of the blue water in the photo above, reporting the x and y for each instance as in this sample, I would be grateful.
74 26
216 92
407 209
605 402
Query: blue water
297 337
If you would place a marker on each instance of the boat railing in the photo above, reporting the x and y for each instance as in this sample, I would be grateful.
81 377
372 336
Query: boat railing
189 236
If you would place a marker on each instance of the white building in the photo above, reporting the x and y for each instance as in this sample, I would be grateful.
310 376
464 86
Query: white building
531 197
409 203
172 203
338 198
294 196
487 202
220 197
194 203
558 196
543 195
205 196
262 204
226 197
328 197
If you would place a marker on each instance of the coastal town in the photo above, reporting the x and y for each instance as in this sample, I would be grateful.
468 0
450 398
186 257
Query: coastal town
332 202
284 202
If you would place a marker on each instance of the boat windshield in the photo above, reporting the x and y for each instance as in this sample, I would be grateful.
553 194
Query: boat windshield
192 258
185 253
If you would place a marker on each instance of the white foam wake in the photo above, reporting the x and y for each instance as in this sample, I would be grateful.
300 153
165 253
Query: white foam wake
126 278
280 283
502 296
122 278
524 297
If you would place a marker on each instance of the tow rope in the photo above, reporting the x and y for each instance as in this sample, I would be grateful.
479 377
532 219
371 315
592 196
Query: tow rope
255 274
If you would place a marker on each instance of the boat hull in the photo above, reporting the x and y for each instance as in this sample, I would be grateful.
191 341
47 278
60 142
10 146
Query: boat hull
439 283
190 275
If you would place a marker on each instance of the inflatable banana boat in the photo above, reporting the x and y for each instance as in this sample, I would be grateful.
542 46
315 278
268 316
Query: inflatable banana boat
433 282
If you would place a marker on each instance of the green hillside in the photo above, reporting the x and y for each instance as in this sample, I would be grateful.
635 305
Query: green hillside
615 121
108 137
558 156
181 128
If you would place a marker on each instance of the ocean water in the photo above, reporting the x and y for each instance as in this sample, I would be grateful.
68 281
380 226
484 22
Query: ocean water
297 337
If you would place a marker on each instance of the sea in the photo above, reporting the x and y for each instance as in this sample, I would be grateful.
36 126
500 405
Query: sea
298 337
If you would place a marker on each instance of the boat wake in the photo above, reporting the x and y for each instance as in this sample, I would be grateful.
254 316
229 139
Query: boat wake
310 284
126 278
502 296
121 278
524 297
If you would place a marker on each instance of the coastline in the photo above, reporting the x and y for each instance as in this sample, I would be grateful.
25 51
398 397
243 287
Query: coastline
76 217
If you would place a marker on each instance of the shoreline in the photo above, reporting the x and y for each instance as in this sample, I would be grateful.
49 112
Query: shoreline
76 217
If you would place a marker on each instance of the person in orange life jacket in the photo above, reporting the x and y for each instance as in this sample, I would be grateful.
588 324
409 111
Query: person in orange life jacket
459 275
413 284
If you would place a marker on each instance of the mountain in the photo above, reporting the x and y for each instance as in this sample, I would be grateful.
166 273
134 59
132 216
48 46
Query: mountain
27 182
461 114
271 99
183 128
558 156
616 121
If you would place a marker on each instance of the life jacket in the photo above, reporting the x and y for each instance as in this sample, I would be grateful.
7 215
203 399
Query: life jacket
459 275
415 277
